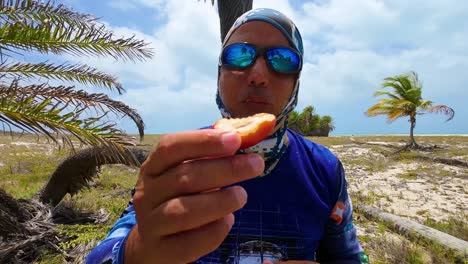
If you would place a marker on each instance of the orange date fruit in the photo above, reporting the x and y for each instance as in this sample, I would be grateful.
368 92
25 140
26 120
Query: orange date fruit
251 129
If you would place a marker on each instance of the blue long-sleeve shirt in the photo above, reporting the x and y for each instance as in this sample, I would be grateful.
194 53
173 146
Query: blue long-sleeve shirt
300 211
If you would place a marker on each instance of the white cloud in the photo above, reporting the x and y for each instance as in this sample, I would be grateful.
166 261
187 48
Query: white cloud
353 45
176 89
350 47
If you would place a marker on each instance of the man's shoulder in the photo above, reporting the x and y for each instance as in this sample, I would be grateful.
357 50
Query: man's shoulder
309 147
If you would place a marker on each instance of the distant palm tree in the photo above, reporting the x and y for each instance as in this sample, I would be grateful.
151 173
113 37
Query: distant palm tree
308 123
405 100
326 123
28 102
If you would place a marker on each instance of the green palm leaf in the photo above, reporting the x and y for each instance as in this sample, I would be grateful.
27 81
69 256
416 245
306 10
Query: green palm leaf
76 40
395 114
379 93
63 97
64 72
30 11
63 112
378 109
50 117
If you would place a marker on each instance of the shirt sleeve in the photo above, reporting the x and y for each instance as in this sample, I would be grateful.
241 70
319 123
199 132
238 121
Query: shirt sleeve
111 249
339 243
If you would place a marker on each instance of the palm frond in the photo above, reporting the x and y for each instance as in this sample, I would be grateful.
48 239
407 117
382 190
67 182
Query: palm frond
393 108
442 109
379 93
63 97
78 41
404 105
414 95
46 117
424 104
387 102
395 114
64 72
404 82
394 83
32 11
406 86
378 109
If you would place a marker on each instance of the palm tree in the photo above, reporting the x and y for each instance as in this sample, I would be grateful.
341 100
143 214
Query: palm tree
405 100
229 11
294 122
61 113
79 168
326 125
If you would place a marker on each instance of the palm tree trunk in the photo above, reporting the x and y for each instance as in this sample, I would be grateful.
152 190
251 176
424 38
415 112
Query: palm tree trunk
77 170
229 11
412 143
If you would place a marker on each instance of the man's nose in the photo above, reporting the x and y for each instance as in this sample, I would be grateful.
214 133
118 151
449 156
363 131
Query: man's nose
259 73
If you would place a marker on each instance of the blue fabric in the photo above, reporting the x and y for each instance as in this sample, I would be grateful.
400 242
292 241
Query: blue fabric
274 18
300 211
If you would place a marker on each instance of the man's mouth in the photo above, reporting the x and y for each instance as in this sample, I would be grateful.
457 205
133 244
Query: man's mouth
253 100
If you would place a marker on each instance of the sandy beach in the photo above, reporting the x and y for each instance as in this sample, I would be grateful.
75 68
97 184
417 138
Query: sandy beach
415 189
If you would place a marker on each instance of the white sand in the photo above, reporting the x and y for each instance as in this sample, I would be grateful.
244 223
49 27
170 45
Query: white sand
435 196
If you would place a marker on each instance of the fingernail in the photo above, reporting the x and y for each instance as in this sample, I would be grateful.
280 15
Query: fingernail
229 139
241 195
257 163
230 220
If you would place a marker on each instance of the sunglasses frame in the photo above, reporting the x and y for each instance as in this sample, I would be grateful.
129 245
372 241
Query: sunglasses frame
260 51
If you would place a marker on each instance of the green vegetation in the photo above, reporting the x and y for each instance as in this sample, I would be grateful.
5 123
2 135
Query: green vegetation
409 175
308 123
384 246
82 234
456 226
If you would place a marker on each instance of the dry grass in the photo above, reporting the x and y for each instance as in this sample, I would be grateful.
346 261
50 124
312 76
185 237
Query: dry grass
25 167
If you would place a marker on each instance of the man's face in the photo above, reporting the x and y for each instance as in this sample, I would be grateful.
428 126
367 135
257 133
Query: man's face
257 88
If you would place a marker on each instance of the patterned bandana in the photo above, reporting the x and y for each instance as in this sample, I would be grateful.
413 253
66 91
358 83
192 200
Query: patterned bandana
273 147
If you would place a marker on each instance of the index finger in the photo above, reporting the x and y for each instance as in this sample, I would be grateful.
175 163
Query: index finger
176 148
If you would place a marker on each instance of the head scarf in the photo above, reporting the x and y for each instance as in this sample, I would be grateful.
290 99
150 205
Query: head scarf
273 147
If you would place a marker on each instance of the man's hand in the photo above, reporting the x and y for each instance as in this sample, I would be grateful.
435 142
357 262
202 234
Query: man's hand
182 211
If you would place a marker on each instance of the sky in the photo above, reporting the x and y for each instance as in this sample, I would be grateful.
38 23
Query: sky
350 47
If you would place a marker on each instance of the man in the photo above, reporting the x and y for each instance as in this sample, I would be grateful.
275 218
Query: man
198 200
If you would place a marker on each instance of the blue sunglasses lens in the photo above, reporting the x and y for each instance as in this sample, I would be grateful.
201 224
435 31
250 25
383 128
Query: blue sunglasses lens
239 56
280 59
283 60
